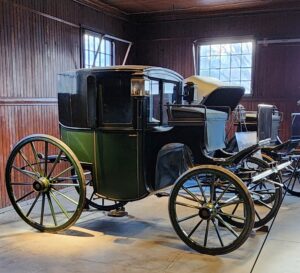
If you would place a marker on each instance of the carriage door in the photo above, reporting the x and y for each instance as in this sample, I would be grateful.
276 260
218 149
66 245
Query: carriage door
117 141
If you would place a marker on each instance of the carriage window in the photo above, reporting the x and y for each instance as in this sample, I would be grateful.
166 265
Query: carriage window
116 100
231 63
96 54
169 90
154 103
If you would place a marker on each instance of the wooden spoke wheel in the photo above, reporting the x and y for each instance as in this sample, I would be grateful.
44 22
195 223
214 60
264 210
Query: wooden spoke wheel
198 203
40 175
267 196
291 178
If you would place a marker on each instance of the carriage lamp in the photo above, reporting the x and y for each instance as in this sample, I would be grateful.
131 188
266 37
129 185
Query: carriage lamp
140 87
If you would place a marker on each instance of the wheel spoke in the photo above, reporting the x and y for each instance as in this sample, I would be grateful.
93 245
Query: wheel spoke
25 172
23 197
218 233
64 171
191 194
212 190
227 226
27 161
52 209
194 229
264 204
33 204
54 164
189 198
21 184
230 204
46 159
66 184
35 154
186 205
60 205
235 208
231 216
65 196
188 217
42 209
256 213
206 232
201 189
222 194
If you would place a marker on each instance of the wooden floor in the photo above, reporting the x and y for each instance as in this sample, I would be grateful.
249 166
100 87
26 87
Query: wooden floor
143 242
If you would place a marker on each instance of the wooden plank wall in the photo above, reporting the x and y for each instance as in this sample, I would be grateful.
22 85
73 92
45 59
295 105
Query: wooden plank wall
38 40
277 67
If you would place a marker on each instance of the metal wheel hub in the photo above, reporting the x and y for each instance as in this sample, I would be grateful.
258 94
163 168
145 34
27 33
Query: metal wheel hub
41 185
205 213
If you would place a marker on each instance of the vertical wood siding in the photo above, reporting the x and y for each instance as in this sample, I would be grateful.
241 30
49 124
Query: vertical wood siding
38 40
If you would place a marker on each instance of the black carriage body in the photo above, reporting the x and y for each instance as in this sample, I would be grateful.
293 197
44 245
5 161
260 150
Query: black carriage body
116 120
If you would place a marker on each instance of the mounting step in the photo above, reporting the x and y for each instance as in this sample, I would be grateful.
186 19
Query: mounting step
120 212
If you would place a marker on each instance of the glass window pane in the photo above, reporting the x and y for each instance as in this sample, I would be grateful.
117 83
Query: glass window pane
225 75
215 62
215 73
235 61
204 62
102 46
230 62
215 49
91 57
246 60
107 47
204 73
247 48
86 41
97 41
86 58
102 59
235 74
247 86
246 74
108 60
154 102
225 61
225 49
205 50
235 83
91 43
236 48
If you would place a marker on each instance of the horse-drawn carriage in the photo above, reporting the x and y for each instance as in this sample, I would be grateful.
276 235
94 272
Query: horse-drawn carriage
131 131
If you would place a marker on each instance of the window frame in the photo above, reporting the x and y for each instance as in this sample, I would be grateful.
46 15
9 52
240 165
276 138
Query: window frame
228 40
102 37
161 106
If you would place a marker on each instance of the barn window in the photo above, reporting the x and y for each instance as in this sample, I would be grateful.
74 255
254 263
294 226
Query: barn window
229 62
98 50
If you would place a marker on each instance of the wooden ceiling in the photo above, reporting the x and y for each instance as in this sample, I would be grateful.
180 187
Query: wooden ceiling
133 7
157 8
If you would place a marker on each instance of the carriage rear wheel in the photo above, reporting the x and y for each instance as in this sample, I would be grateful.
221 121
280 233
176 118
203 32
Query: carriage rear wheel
40 175
266 195
198 203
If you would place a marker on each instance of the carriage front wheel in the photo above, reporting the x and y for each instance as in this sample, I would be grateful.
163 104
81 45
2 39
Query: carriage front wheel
45 183
198 203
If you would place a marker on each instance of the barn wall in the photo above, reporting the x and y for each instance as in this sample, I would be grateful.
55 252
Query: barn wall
38 40
277 66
